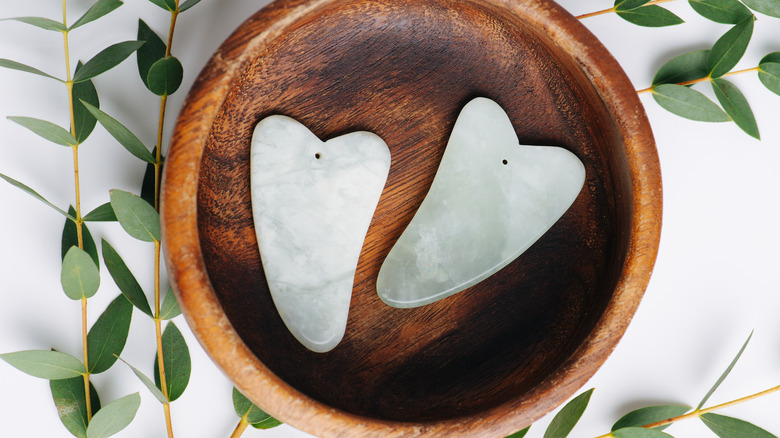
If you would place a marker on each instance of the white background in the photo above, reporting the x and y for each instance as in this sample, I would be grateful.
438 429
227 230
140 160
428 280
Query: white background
716 278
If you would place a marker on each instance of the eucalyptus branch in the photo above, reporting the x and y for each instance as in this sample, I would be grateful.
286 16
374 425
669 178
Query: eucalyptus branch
700 80
613 9
240 428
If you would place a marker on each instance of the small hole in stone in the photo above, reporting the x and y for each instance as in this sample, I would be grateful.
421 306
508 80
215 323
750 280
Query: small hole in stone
505 162
317 155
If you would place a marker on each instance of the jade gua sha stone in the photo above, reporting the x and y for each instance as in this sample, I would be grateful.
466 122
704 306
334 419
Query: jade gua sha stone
490 200
312 203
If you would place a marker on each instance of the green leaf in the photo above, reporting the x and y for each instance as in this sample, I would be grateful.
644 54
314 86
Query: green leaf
35 195
80 276
736 106
176 358
98 10
46 364
721 11
124 279
83 119
725 373
767 7
107 338
13 65
106 60
70 239
47 130
43 23
169 308
650 415
270 423
729 427
729 48
627 5
147 382
148 183
565 420
121 134
688 103
165 76
650 16
519 434
188 4
136 216
245 408
168 5
639 432
773 57
152 51
103 213
114 417
769 74
68 395
683 68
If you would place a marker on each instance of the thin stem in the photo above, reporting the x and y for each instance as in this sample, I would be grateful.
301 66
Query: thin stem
86 356
704 79
240 428
610 10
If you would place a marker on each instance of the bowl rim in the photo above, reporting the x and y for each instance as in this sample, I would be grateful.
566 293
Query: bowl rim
201 307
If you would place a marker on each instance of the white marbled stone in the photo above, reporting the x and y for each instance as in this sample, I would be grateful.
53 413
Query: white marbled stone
491 200
312 203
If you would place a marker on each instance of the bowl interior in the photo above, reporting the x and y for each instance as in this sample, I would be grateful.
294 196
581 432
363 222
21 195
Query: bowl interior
404 69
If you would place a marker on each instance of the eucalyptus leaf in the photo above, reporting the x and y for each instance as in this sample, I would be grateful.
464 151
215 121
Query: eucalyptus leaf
35 195
730 48
152 51
565 420
98 10
188 4
519 434
103 213
650 16
729 427
68 395
121 134
149 182
40 22
767 7
70 239
13 65
147 382
169 308
627 5
165 76
721 11
650 415
769 74
46 364
246 409
124 279
47 130
169 5
773 57
176 358
268 423
107 338
114 417
639 432
83 120
683 68
107 59
725 373
80 276
736 106
137 217
688 103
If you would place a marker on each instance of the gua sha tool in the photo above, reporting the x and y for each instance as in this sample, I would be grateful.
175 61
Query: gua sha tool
490 200
312 203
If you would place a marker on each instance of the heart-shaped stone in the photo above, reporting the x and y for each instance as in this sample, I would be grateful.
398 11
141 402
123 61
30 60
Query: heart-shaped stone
491 200
312 203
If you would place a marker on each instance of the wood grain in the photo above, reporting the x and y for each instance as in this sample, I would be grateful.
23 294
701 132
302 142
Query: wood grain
484 362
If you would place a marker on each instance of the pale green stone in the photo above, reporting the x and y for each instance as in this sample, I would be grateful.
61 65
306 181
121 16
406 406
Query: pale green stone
491 200
312 204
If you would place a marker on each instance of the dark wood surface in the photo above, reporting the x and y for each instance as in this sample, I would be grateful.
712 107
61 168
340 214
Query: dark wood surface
404 69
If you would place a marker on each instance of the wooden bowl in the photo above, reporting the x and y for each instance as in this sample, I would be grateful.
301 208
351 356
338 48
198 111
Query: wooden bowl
487 361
